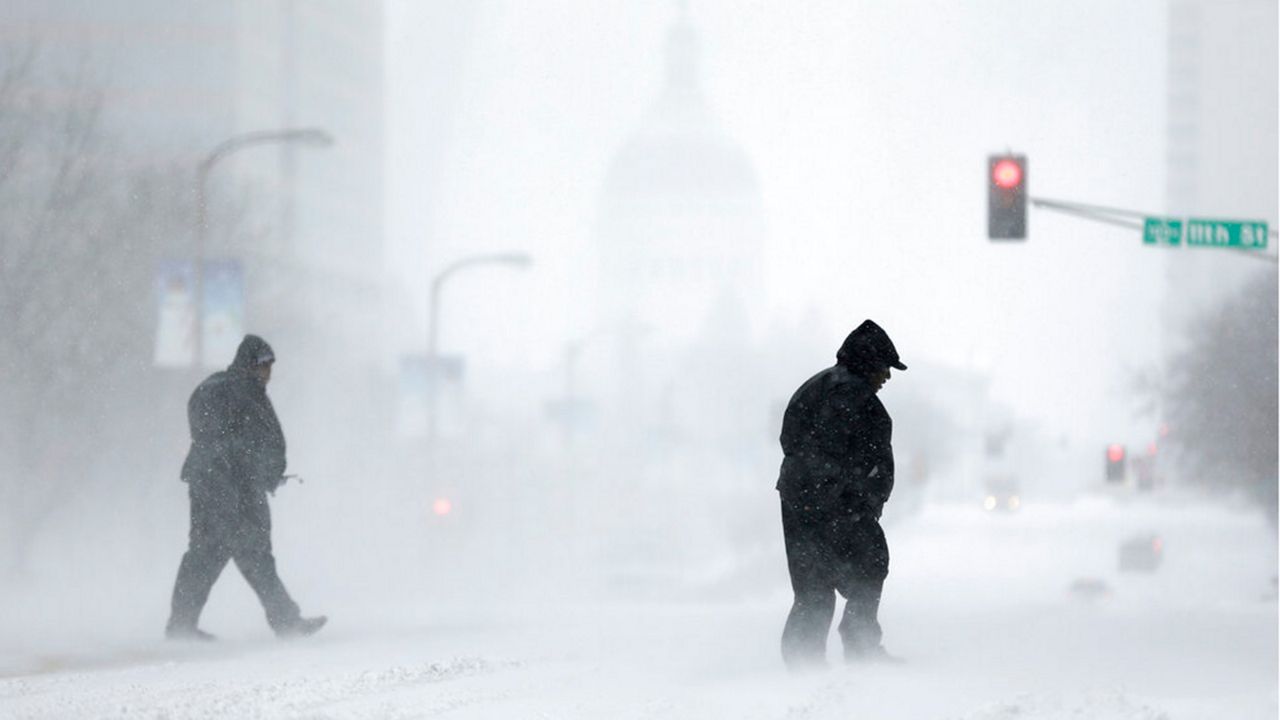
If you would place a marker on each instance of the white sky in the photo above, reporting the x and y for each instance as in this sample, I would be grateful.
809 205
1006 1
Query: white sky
868 123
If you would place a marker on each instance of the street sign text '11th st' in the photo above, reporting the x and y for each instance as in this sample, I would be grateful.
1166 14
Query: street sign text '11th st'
1245 234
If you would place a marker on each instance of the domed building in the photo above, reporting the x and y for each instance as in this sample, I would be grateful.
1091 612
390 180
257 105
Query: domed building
678 239
680 225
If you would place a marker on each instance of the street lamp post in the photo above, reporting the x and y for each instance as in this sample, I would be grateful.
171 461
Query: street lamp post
308 136
433 323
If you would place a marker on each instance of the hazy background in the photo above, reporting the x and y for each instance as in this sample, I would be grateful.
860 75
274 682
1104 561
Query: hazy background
710 196
866 125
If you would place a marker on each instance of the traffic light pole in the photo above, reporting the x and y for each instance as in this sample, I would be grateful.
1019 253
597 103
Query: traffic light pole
1120 217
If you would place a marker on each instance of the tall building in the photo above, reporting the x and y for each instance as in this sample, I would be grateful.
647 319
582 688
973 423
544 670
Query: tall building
310 64
316 274
165 72
179 77
1221 132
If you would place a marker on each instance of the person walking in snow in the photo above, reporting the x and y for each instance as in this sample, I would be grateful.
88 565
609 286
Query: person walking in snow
237 457
836 475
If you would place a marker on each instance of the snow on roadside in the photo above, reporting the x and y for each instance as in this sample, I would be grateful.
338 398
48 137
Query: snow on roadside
152 692
1095 706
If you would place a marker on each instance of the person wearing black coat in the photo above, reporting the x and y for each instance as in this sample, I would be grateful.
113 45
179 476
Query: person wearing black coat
237 457
836 475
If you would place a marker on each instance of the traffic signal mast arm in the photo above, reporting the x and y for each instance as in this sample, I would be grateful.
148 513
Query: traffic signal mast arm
1109 215
1132 219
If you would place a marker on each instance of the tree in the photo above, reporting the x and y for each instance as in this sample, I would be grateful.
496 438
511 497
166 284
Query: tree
1219 395
81 231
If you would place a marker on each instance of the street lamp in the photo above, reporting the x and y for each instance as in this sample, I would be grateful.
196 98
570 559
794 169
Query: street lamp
314 137
519 260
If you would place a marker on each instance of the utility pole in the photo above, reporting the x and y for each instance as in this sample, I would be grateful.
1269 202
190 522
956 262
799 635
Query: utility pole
519 260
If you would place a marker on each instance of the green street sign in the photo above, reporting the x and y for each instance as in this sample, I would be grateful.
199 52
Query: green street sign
1161 231
1244 234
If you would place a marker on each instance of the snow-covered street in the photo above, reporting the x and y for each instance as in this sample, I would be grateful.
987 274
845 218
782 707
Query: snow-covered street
980 606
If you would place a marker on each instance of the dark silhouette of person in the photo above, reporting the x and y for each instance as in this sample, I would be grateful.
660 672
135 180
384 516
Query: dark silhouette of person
237 457
837 473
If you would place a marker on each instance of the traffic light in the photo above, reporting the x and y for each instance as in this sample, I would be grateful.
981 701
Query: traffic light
1115 463
1007 197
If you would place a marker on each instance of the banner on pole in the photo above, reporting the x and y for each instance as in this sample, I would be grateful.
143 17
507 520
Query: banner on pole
223 311
411 415
175 314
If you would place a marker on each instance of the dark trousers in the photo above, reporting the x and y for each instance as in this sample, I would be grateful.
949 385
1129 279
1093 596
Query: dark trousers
229 523
828 554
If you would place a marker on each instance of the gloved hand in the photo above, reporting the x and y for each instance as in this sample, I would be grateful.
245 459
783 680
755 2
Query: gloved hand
271 484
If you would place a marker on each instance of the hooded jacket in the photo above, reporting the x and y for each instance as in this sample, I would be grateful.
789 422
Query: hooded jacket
236 437
837 435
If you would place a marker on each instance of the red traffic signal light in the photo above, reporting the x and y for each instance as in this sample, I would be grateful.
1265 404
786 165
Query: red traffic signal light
1007 197
1006 173
1115 463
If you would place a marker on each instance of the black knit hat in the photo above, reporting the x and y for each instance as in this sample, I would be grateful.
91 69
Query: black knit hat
867 348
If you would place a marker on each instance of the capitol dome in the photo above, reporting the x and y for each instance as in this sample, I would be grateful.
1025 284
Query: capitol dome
679 147
680 223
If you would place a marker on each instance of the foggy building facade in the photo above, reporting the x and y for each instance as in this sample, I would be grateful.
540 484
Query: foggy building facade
1221 102
176 79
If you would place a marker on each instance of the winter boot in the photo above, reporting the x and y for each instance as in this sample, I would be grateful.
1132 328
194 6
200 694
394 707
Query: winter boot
187 634
301 627
873 654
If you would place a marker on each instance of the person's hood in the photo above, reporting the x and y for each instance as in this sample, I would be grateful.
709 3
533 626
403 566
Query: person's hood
253 351
868 348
